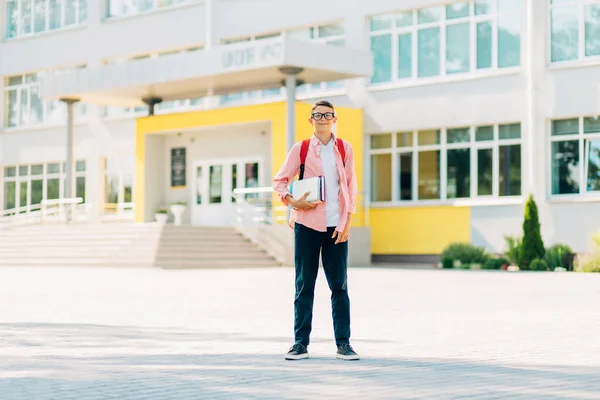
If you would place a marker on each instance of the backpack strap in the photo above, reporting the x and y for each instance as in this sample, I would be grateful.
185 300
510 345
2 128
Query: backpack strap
340 145
303 153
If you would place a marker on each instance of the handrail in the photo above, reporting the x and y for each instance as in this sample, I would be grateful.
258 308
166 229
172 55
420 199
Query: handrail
49 210
257 218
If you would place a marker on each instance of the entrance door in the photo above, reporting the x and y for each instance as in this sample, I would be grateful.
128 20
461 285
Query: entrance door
214 181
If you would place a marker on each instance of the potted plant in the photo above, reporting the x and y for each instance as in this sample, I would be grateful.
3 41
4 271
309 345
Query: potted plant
161 215
178 208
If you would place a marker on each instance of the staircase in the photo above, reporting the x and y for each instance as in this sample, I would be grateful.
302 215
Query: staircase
129 245
204 247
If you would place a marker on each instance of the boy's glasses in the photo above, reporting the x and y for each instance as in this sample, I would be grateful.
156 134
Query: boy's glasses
318 116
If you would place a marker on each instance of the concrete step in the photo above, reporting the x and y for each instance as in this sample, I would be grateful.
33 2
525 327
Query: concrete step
76 261
130 245
76 236
73 254
214 256
217 264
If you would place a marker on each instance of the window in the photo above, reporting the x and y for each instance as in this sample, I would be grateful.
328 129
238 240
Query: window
574 29
24 105
30 17
118 182
161 108
121 8
331 34
444 164
444 40
575 155
27 185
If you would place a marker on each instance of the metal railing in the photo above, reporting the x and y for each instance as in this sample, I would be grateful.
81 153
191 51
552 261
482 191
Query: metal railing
48 211
262 218
62 211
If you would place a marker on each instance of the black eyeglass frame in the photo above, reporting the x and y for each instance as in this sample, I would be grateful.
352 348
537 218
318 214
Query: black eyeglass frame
319 116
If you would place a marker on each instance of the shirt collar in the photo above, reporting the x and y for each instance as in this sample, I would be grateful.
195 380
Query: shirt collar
314 140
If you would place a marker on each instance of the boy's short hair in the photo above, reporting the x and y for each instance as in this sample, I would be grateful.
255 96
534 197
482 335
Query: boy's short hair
324 103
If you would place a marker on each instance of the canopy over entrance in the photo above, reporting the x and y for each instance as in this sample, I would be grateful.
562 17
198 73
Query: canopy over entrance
223 69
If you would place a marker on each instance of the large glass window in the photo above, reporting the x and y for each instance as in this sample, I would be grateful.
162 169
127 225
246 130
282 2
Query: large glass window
452 163
29 17
24 106
28 185
120 8
574 29
118 182
461 37
574 157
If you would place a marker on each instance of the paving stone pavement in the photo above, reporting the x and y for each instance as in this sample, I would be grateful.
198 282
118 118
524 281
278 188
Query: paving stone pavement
69 333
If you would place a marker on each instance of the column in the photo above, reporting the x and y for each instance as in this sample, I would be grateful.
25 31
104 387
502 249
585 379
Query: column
151 102
290 89
69 166
535 154
210 40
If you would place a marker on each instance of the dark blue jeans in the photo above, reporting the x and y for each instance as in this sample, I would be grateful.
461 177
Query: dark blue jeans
308 245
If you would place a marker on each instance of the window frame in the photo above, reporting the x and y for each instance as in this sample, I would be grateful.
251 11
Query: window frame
44 177
62 23
581 57
473 72
32 80
583 159
443 147
154 9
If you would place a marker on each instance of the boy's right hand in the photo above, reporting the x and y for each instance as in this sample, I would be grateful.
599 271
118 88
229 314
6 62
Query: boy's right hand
302 204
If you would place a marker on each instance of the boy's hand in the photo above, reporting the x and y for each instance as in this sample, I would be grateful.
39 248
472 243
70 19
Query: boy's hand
301 203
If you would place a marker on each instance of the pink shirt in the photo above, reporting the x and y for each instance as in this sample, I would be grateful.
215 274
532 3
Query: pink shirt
316 218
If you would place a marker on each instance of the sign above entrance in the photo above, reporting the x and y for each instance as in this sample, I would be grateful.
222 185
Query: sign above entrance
251 55
178 167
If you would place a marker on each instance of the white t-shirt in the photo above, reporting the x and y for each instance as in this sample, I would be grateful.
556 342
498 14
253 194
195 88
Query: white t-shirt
332 184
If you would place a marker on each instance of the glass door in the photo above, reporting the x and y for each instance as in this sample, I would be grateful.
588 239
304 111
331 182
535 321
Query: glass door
214 182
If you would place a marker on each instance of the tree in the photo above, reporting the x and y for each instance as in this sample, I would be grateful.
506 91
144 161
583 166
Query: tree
532 245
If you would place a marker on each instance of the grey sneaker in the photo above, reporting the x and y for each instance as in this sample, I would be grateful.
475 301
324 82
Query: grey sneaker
346 352
297 352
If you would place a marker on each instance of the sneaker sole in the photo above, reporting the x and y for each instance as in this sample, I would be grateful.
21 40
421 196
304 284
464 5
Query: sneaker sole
298 357
347 358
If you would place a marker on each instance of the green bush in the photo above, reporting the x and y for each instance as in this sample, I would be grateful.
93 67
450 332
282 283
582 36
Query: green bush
532 245
447 262
538 265
465 253
560 255
495 263
513 249
590 262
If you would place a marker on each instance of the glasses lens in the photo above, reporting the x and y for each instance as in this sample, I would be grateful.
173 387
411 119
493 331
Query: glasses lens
317 116
328 116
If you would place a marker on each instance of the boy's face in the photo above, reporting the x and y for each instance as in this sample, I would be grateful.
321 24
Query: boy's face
322 118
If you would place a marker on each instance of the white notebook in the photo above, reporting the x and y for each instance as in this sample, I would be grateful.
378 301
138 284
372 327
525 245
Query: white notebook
314 185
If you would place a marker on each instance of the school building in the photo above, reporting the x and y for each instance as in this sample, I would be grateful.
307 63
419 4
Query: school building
456 110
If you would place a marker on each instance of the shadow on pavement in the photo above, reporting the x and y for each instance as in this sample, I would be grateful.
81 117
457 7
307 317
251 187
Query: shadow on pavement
43 361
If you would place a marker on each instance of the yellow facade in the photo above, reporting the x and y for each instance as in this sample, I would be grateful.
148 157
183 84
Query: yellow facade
405 230
418 230
349 127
